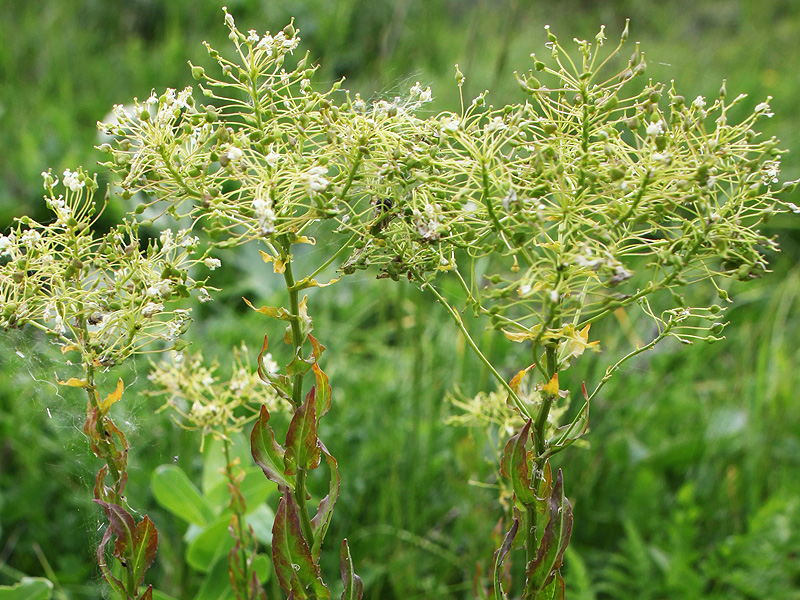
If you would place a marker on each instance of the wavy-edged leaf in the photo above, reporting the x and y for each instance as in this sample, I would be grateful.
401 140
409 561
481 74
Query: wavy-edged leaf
122 525
499 557
316 348
324 391
514 466
104 439
274 312
174 491
143 552
280 383
112 397
302 451
73 382
353 586
268 454
550 554
112 581
297 573
321 521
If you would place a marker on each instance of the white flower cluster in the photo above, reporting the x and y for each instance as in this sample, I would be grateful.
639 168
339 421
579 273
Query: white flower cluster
428 223
314 179
262 207
417 93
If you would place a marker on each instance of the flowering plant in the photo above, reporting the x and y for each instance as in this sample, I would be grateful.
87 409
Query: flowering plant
599 190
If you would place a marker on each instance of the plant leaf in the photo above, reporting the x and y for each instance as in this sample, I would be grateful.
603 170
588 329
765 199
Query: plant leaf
353 586
279 312
302 451
291 556
323 391
143 552
321 521
29 588
544 568
174 491
268 454
499 557
514 466
112 397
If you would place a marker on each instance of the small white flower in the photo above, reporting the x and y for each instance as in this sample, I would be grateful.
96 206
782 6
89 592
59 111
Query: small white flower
234 153
525 289
314 179
203 295
554 296
153 292
272 158
72 182
699 102
451 124
152 308
655 129
212 263
763 109
266 44
59 325
7 245
167 241
252 36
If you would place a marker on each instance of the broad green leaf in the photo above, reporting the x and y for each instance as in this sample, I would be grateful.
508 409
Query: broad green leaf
268 454
210 545
353 586
262 520
161 596
214 460
543 570
29 588
302 450
514 466
321 521
297 573
263 566
174 491
255 488
216 584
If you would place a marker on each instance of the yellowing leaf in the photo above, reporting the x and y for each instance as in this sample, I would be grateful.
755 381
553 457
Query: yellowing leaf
70 348
519 336
552 386
516 381
73 382
271 311
305 240
278 265
112 397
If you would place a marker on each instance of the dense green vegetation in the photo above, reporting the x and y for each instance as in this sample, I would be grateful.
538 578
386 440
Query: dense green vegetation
690 469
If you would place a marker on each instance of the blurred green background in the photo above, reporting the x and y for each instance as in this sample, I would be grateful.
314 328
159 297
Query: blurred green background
690 486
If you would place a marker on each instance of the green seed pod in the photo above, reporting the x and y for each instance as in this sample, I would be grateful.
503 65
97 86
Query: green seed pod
549 128
717 328
198 72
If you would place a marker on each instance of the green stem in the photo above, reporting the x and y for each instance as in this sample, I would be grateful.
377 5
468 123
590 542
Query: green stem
297 387
460 324
238 514
540 447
